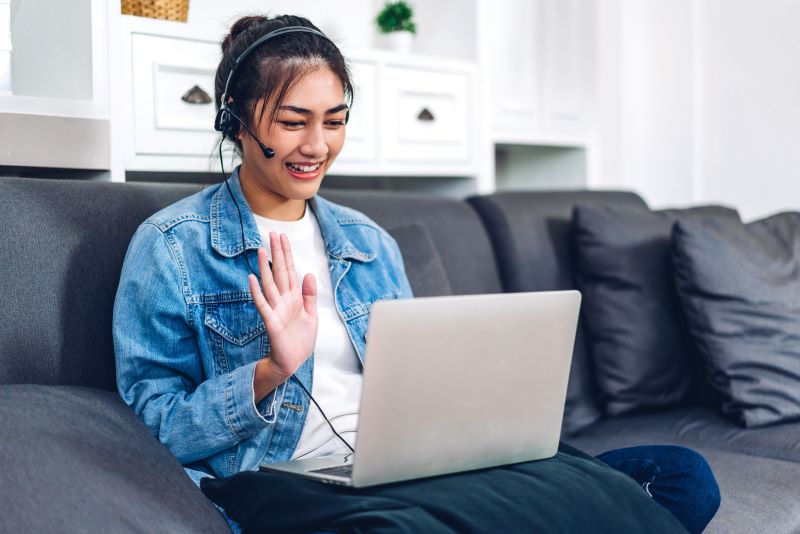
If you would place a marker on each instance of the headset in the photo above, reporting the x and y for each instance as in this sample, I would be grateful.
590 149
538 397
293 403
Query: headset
228 123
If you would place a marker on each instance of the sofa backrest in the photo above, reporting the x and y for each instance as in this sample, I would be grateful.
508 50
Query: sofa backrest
62 243
530 232
426 227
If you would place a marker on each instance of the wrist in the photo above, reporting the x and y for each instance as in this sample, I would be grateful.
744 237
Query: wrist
267 378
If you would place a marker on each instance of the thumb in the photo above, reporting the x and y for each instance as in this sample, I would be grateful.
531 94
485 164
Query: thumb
310 294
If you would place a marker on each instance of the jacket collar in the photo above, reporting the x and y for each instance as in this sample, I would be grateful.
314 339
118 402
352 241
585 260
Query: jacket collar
330 221
226 230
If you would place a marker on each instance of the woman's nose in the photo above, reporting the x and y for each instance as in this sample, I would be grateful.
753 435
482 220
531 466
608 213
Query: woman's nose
314 144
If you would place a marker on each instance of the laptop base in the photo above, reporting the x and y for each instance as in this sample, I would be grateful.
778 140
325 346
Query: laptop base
316 468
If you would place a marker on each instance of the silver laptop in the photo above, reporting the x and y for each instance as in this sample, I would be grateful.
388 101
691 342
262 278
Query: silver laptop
454 384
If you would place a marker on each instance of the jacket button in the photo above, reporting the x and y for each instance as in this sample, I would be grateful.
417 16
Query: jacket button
294 407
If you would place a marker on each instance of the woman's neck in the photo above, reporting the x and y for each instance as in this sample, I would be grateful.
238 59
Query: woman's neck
267 203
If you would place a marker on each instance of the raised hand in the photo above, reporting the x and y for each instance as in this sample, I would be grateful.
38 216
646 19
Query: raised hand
289 311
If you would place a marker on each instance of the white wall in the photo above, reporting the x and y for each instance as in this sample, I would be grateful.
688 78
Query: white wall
699 101
751 105
444 27
345 21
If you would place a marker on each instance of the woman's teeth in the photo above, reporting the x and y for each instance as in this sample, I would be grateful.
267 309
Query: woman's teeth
303 168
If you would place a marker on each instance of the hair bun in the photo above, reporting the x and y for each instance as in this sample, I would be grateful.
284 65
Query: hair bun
239 27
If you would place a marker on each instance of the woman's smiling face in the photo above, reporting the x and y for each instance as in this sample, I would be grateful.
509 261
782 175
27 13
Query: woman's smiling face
307 135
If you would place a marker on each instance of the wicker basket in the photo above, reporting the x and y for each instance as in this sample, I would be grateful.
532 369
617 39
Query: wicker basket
157 9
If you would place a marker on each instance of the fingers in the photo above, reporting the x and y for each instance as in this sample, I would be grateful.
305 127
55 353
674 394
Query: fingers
287 254
279 271
283 268
310 294
258 299
270 290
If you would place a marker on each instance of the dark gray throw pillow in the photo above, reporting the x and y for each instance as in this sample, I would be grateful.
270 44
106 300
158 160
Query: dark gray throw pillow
740 289
77 459
638 341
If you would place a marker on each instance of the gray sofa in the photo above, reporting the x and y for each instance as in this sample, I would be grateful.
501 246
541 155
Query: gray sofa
75 458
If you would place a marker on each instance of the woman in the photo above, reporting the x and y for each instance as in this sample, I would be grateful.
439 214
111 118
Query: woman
218 361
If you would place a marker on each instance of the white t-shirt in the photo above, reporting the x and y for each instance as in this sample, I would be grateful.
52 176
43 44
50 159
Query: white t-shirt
337 370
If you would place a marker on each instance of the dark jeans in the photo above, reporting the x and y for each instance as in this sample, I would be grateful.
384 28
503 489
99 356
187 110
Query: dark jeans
677 478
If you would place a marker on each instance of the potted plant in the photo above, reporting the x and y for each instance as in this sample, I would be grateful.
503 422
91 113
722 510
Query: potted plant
395 20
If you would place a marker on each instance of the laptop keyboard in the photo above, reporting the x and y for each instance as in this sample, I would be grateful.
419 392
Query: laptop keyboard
340 470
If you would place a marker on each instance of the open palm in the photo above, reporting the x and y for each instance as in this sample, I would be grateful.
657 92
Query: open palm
289 311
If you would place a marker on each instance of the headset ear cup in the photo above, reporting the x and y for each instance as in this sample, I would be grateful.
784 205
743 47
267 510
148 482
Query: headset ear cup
231 126
226 123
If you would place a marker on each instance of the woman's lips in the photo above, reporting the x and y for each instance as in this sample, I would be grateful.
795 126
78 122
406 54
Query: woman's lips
301 175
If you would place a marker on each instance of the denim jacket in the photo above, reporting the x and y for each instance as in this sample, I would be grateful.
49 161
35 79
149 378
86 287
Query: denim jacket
187 335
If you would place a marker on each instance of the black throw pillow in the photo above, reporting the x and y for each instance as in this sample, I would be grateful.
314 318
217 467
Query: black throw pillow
740 289
638 340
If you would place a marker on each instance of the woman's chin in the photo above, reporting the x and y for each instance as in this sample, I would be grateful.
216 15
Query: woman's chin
305 189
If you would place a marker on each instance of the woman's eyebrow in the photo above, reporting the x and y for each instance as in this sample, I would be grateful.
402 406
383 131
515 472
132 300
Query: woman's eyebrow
304 111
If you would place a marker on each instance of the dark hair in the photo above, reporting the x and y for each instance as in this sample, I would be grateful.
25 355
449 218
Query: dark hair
275 66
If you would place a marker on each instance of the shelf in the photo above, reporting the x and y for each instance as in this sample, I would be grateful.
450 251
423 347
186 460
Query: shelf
50 141
545 141
52 107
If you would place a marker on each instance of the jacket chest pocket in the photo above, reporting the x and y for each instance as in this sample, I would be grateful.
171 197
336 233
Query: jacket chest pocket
236 333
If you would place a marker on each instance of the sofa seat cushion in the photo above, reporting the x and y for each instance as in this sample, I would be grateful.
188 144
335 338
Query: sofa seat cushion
77 459
692 426
756 469
758 494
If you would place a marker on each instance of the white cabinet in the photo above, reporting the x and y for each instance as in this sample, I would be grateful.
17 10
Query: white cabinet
540 60
58 96
410 116
173 92
513 53
567 28
425 115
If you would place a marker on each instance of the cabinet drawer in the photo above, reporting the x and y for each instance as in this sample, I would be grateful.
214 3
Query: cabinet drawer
164 69
424 115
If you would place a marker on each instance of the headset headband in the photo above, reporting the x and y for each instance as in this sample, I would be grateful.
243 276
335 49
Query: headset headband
270 35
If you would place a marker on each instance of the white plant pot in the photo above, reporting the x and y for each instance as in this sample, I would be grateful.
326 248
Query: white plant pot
401 41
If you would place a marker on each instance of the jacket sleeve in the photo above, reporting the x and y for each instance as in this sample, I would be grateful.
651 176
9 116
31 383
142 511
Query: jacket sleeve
398 266
160 371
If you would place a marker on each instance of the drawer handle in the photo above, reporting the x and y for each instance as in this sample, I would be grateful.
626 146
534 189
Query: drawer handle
195 95
426 115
